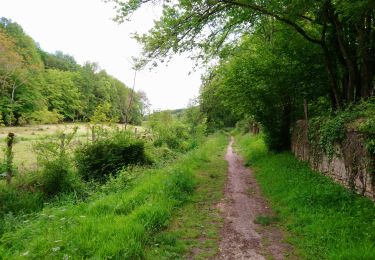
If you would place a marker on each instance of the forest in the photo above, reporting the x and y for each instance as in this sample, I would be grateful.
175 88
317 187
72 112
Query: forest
222 178
42 88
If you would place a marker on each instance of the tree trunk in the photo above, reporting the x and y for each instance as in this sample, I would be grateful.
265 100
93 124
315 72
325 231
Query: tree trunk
364 34
335 97
350 64
285 127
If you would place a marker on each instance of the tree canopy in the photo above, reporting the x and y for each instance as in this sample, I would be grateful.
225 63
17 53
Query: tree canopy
39 87
344 30
271 55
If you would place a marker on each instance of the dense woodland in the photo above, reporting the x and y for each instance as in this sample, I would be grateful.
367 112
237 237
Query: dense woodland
271 56
39 87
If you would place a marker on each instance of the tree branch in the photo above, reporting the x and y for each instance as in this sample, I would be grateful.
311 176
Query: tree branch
264 11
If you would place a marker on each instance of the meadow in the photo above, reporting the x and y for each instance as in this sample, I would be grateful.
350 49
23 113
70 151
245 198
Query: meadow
26 137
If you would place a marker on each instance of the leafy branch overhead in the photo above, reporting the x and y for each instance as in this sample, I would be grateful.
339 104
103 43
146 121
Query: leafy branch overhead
343 29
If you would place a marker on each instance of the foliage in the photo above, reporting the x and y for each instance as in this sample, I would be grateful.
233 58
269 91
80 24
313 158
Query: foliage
266 79
324 220
342 30
329 130
98 227
101 114
1 120
39 87
56 174
368 128
168 130
274 54
57 177
109 155
44 117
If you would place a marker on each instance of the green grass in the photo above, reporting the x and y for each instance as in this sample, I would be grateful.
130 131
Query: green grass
324 220
118 223
195 230
26 136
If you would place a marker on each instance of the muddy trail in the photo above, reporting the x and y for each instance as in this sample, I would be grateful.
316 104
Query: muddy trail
243 206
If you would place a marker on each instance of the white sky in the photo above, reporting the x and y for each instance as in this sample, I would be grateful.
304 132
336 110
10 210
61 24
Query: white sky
85 30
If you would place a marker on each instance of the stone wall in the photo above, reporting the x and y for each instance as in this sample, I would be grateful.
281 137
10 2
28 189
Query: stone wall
350 164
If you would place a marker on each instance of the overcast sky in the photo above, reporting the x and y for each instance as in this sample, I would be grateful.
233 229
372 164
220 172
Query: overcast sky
85 30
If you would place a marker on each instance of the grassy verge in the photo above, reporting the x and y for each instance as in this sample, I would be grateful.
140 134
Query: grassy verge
194 231
120 224
325 220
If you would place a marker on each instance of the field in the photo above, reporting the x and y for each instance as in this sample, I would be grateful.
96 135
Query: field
27 136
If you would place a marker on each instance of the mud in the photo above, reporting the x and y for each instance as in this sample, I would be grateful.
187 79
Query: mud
241 237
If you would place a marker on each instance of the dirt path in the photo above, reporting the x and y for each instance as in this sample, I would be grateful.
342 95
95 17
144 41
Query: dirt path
243 202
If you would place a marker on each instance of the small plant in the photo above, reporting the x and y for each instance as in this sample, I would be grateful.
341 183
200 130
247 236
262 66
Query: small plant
56 174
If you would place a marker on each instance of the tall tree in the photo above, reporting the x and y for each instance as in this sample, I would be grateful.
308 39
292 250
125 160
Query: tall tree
344 30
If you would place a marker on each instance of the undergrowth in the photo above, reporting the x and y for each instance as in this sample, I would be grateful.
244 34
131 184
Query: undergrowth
328 130
324 220
119 222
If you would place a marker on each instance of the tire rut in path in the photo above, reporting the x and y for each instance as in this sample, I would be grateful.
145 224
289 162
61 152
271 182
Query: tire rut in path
241 238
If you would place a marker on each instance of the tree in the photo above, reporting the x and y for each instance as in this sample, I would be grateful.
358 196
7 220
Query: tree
12 75
62 93
144 102
344 30
266 78
39 87
59 61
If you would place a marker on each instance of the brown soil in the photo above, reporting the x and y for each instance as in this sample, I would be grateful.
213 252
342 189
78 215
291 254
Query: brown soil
241 238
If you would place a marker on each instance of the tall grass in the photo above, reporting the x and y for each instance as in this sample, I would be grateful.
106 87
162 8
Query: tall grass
194 232
119 223
325 220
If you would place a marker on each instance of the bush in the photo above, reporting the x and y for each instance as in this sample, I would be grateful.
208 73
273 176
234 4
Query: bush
58 176
104 157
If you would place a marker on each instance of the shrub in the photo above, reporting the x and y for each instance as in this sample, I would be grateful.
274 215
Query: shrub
104 157
57 176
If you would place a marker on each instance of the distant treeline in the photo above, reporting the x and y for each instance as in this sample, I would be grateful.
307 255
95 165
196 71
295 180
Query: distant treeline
39 87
